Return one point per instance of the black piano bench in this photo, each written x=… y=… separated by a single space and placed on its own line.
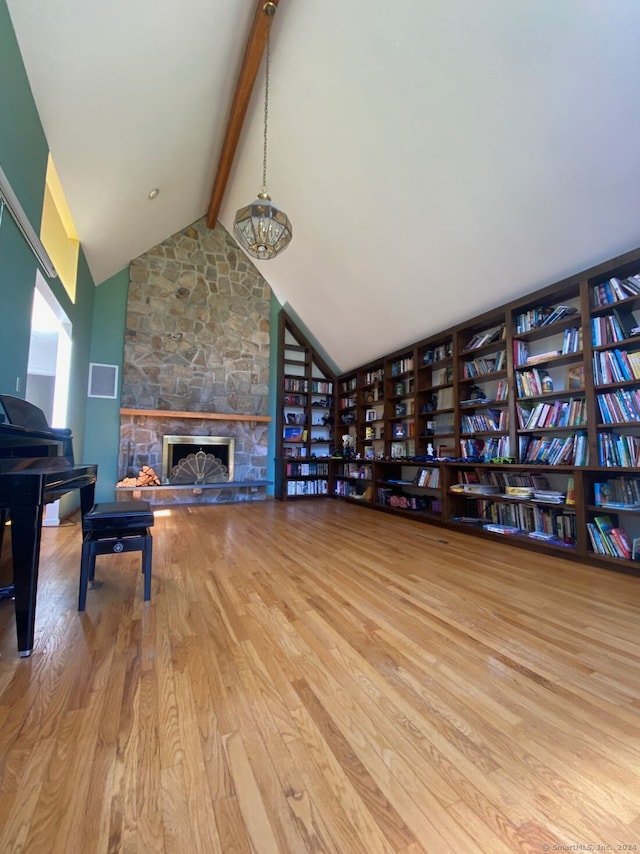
x=115 y=526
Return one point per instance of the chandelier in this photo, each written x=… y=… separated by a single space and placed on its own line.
x=261 y=228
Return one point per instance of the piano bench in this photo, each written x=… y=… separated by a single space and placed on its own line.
x=115 y=526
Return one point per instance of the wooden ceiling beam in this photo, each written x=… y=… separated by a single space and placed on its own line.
x=262 y=19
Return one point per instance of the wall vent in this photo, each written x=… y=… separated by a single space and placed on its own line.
x=103 y=380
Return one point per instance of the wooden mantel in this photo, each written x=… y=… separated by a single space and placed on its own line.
x=213 y=416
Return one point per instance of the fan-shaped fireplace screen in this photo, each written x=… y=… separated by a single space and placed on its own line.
x=197 y=459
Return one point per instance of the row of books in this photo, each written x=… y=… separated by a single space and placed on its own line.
x=618 y=492
x=549 y=525
x=615 y=366
x=307 y=487
x=351 y=489
x=620 y=407
x=607 y=539
x=613 y=327
x=560 y=413
x=295 y=384
x=569 y=450
x=295 y=400
x=428 y=478
x=618 y=450
x=531 y=319
x=616 y=289
x=439 y=353
x=485 y=449
x=358 y=471
x=488 y=365
x=321 y=387
x=372 y=377
x=534 y=318
x=307 y=469
x=572 y=343
x=529 y=383
x=402 y=366
x=481 y=422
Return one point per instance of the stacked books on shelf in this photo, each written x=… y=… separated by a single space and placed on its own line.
x=607 y=539
x=485 y=337
x=569 y=450
x=615 y=366
x=559 y=313
x=616 y=289
x=621 y=493
x=560 y=413
x=549 y=496
x=497 y=528
x=618 y=450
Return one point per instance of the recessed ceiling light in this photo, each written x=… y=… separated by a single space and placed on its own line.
x=153 y=193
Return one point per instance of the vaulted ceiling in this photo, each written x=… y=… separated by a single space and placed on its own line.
x=435 y=159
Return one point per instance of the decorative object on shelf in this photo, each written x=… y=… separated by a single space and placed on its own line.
x=261 y=228
x=348 y=451
x=546 y=382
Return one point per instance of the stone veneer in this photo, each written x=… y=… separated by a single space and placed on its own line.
x=196 y=340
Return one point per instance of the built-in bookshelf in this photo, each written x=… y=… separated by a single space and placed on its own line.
x=543 y=389
x=306 y=417
x=435 y=401
x=483 y=416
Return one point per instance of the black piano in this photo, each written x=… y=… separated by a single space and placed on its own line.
x=36 y=468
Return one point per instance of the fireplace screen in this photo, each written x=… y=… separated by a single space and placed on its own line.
x=197 y=459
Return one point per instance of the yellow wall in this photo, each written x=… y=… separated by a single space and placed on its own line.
x=58 y=232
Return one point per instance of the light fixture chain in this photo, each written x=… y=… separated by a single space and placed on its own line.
x=266 y=112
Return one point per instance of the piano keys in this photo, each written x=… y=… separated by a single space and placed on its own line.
x=36 y=467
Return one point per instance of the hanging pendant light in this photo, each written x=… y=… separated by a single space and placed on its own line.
x=261 y=228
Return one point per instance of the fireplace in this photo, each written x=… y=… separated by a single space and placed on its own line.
x=197 y=459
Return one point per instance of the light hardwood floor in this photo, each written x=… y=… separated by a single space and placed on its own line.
x=314 y=676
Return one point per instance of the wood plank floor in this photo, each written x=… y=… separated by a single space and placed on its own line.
x=314 y=676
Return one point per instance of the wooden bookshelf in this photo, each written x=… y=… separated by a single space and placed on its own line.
x=548 y=383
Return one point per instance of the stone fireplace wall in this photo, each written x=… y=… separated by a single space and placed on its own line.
x=196 y=340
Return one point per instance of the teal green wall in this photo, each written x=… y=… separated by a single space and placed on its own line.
x=23 y=157
x=276 y=308
x=103 y=415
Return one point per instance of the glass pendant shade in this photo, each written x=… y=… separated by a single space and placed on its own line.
x=261 y=229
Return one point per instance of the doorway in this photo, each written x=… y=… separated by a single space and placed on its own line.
x=48 y=368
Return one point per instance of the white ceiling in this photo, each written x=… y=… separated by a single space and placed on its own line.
x=436 y=159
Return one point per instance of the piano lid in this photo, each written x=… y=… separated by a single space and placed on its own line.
x=25 y=432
